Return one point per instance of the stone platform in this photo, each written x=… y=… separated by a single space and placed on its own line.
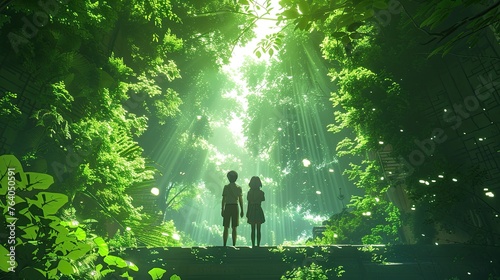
x=348 y=261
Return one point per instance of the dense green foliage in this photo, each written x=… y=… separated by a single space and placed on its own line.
x=106 y=73
x=42 y=243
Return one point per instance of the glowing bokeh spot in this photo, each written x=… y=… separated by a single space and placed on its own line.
x=306 y=162
x=176 y=236
x=155 y=191
x=318 y=192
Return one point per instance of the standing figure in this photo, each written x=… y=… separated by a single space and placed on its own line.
x=255 y=214
x=232 y=195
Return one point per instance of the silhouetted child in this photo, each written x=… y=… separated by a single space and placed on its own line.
x=231 y=196
x=255 y=214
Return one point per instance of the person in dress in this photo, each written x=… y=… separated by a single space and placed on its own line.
x=255 y=214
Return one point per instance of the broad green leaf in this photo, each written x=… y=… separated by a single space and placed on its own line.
x=291 y=13
x=107 y=271
x=338 y=35
x=12 y=164
x=132 y=266
x=38 y=181
x=116 y=261
x=156 y=273
x=65 y=267
x=51 y=202
x=175 y=277
x=4 y=259
x=52 y=274
x=103 y=247
x=30 y=232
x=126 y=275
x=81 y=251
x=354 y=26
x=80 y=234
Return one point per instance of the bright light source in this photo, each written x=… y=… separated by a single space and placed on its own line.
x=176 y=236
x=490 y=194
x=330 y=170
x=367 y=213
x=198 y=117
x=377 y=199
x=335 y=235
x=74 y=223
x=421 y=181
x=454 y=180
x=381 y=142
x=318 y=192
x=440 y=176
x=306 y=162
x=128 y=229
x=155 y=191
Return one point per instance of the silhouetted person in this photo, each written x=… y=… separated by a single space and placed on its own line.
x=232 y=195
x=255 y=214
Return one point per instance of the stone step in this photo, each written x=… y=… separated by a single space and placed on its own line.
x=349 y=261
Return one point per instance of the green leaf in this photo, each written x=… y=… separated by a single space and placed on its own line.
x=304 y=7
x=132 y=266
x=258 y=54
x=65 y=267
x=107 y=271
x=51 y=202
x=30 y=232
x=10 y=162
x=175 y=277
x=338 y=35
x=271 y=52
x=126 y=275
x=4 y=259
x=103 y=247
x=156 y=273
x=80 y=234
x=291 y=13
x=82 y=250
x=116 y=261
x=38 y=181
x=354 y=26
